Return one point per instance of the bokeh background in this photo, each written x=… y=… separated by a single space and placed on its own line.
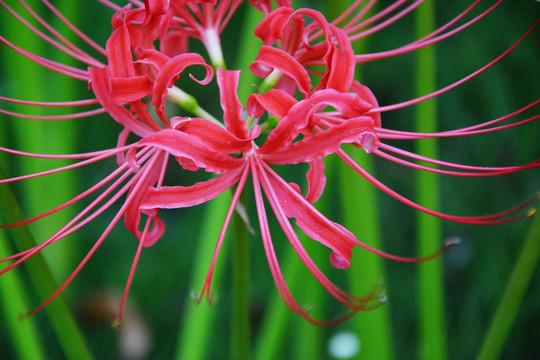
x=162 y=321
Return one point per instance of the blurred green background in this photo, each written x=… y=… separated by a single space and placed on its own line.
x=162 y=317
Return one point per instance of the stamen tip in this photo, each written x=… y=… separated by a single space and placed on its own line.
x=531 y=212
x=451 y=242
x=194 y=295
x=307 y=308
x=116 y=323
x=212 y=300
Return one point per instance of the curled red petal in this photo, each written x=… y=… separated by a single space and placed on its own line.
x=102 y=87
x=170 y=72
x=173 y=197
x=340 y=63
x=118 y=49
x=132 y=215
x=366 y=94
x=182 y=145
x=270 y=58
x=271 y=27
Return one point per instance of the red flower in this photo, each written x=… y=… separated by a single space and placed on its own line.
x=146 y=53
x=281 y=147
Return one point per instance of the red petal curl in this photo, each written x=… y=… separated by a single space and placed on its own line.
x=132 y=215
x=270 y=58
x=366 y=94
x=100 y=81
x=271 y=27
x=127 y=89
x=340 y=63
x=118 y=49
x=170 y=72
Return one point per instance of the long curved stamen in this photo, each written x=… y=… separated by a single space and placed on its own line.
x=55 y=117
x=457 y=83
x=486 y=219
x=75 y=52
x=118 y=320
x=481 y=170
x=425 y=41
x=51 y=104
x=273 y=263
x=208 y=281
x=75 y=30
x=68 y=167
x=130 y=197
x=441 y=251
x=383 y=24
x=71 y=201
x=49 y=64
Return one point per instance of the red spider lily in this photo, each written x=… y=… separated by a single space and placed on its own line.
x=286 y=201
x=138 y=75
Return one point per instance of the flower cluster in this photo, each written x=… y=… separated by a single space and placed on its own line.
x=307 y=106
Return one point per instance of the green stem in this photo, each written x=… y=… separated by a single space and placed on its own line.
x=198 y=322
x=240 y=329
x=310 y=339
x=14 y=302
x=188 y=103
x=273 y=334
x=513 y=295
x=373 y=327
x=431 y=294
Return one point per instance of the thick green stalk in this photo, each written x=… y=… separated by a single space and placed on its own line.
x=198 y=323
x=14 y=302
x=431 y=294
x=273 y=334
x=240 y=329
x=513 y=295
x=309 y=339
x=361 y=216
